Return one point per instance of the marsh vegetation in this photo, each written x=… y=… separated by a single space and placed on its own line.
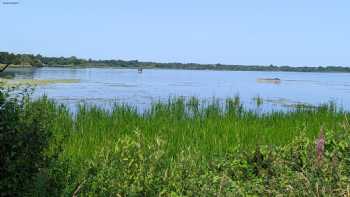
x=33 y=82
x=183 y=147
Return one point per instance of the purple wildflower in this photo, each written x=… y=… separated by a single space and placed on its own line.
x=320 y=142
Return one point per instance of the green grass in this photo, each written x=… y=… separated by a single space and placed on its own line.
x=183 y=147
x=213 y=129
x=197 y=137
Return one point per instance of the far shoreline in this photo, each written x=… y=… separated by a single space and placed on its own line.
x=165 y=68
x=30 y=60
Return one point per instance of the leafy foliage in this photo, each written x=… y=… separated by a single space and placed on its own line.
x=22 y=141
x=20 y=59
x=25 y=136
x=137 y=168
x=45 y=151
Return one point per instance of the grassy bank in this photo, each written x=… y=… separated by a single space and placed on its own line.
x=213 y=129
x=185 y=148
x=33 y=82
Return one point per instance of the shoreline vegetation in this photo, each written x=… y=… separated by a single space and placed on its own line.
x=176 y=148
x=34 y=82
x=39 y=61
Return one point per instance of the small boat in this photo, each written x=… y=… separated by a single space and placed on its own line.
x=269 y=80
x=139 y=70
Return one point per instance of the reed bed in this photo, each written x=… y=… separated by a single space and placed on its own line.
x=212 y=128
x=182 y=147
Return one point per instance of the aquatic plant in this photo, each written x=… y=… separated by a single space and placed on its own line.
x=33 y=82
x=258 y=100
x=182 y=147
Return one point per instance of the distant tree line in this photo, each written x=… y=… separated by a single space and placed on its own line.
x=20 y=59
x=38 y=60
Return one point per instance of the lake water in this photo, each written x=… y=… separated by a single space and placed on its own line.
x=104 y=86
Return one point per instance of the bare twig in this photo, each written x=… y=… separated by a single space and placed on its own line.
x=78 y=189
x=7 y=65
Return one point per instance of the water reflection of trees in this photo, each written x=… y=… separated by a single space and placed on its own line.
x=20 y=73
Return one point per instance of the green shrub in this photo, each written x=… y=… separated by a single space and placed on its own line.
x=136 y=167
x=132 y=168
x=25 y=138
x=21 y=143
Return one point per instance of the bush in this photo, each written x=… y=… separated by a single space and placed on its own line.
x=132 y=168
x=24 y=141
x=136 y=167
x=21 y=145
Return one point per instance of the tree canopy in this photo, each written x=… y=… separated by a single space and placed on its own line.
x=39 y=60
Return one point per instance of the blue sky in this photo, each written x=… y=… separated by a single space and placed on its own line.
x=293 y=32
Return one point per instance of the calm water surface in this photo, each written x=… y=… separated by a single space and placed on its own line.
x=104 y=86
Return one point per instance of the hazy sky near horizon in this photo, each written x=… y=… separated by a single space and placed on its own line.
x=293 y=32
